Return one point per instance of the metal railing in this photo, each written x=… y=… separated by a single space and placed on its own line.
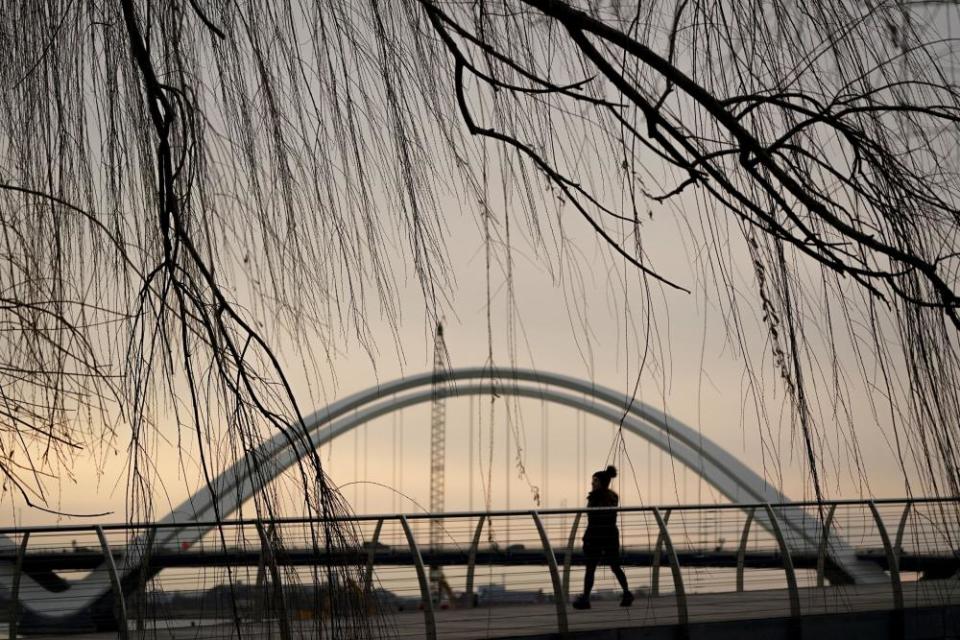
x=504 y=571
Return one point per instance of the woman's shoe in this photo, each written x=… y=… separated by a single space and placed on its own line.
x=627 y=599
x=581 y=602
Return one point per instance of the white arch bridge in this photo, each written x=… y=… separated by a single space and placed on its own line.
x=194 y=517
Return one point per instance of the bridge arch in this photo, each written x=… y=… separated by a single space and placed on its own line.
x=241 y=481
x=721 y=469
x=725 y=472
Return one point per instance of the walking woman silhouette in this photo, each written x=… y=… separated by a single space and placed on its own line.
x=601 y=540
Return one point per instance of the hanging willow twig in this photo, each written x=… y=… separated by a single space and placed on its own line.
x=186 y=186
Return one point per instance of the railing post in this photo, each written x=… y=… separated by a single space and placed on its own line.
x=568 y=556
x=657 y=551
x=143 y=568
x=270 y=558
x=15 y=587
x=121 y=605
x=898 y=546
x=681 y=595
x=824 y=543
x=472 y=562
x=430 y=622
x=742 y=549
x=558 y=593
x=787 y=566
x=892 y=562
x=261 y=604
x=371 y=556
x=898 y=628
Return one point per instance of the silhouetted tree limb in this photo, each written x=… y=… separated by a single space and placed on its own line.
x=156 y=158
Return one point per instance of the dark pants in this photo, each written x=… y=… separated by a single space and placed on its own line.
x=602 y=552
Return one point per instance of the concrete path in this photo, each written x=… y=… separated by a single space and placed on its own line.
x=536 y=619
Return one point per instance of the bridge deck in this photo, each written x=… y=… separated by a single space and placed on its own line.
x=535 y=619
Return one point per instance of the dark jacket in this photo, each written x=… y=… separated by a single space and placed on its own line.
x=602 y=525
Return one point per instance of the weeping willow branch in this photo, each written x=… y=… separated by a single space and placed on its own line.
x=187 y=188
x=777 y=155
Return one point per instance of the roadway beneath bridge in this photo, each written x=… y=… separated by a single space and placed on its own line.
x=932 y=609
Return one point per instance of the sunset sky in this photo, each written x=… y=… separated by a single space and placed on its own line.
x=573 y=322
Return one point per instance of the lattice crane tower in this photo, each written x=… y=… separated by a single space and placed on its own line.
x=438 y=444
x=438 y=435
